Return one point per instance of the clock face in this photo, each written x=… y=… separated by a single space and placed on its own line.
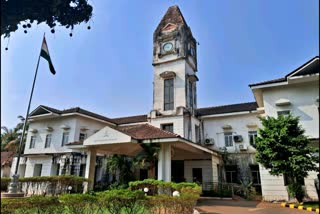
x=167 y=46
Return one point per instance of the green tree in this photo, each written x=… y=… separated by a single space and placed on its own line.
x=10 y=138
x=67 y=13
x=147 y=158
x=282 y=148
x=123 y=164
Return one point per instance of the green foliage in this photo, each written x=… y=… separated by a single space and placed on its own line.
x=58 y=184
x=34 y=204
x=282 y=147
x=4 y=183
x=219 y=190
x=166 y=187
x=52 y=12
x=247 y=189
x=172 y=205
x=79 y=203
x=124 y=201
x=296 y=190
x=10 y=138
x=123 y=164
x=147 y=158
x=127 y=201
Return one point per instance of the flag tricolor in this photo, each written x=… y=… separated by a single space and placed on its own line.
x=45 y=54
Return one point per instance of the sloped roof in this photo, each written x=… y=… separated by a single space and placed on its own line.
x=131 y=119
x=145 y=131
x=312 y=68
x=250 y=106
x=38 y=111
x=6 y=158
x=173 y=16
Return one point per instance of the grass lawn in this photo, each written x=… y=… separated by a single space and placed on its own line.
x=313 y=204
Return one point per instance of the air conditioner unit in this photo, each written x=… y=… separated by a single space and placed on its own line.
x=242 y=147
x=209 y=141
x=237 y=138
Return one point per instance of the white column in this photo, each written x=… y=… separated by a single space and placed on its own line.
x=214 y=162
x=90 y=169
x=164 y=162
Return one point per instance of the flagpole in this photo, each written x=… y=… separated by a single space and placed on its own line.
x=13 y=187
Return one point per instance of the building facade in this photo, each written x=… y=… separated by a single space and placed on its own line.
x=191 y=139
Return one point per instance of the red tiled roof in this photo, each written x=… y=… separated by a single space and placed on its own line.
x=174 y=16
x=6 y=158
x=131 y=119
x=145 y=131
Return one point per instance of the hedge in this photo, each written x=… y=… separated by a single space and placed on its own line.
x=156 y=187
x=47 y=184
x=124 y=201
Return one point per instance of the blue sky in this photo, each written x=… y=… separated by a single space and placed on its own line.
x=108 y=69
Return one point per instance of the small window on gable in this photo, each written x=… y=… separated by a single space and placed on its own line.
x=82 y=136
x=285 y=112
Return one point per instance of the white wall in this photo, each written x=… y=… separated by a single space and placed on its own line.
x=303 y=104
x=46 y=162
x=176 y=120
x=205 y=165
x=213 y=129
x=74 y=122
x=179 y=67
x=272 y=186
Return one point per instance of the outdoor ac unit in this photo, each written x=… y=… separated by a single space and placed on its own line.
x=237 y=138
x=242 y=148
x=209 y=141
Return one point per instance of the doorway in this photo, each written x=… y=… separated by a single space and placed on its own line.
x=177 y=171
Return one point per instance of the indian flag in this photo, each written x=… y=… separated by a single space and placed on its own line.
x=45 y=54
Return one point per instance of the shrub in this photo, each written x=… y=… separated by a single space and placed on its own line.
x=4 y=183
x=79 y=203
x=172 y=205
x=156 y=186
x=48 y=184
x=34 y=204
x=122 y=200
x=296 y=190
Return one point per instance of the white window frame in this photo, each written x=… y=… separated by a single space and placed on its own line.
x=228 y=135
x=47 y=143
x=32 y=142
x=64 y=138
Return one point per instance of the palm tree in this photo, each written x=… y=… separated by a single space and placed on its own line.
x=10 y=138
x=121 y=163
x=147 y=158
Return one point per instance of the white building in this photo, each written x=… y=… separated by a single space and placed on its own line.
x=191 y=138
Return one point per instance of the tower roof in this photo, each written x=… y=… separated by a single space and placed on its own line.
x=173 y=16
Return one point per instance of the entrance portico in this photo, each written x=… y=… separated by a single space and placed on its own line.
x=127 y=140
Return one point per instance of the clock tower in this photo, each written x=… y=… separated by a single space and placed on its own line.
x=175 y=79
x=175 y=64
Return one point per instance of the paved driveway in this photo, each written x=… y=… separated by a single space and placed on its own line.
x=208 y=206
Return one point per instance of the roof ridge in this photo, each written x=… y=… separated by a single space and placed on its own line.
x=129 y=116
x=228 y=105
